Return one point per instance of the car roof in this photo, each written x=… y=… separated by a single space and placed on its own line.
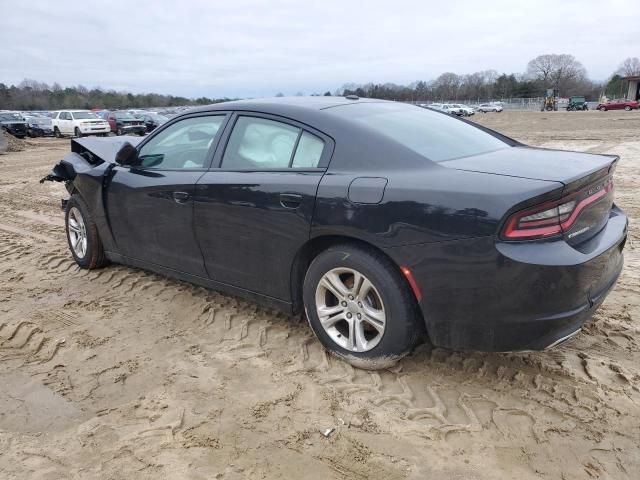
x=275 y=104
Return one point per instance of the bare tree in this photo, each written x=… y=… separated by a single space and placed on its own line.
x=557 y=71
x=630 y=67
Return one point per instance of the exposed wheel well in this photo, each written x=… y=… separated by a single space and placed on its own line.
x=315 y=246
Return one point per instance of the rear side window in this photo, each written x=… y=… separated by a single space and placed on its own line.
x=260 y=143
x=309 y=151
x=435 y=136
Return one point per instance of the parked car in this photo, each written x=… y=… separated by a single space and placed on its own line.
x=437 y=106
x=123 y=123
x=152 y=120
x=459 y=109
x=13 y=123
x=477 y=239
x=78 y=123
x=489 y=107
x=622 y=104
x=39 y=126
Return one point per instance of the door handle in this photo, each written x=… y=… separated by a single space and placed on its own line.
x=290 y=200
x=180 y=197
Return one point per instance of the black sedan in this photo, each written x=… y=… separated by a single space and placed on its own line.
x=39 y=126
x=152 y=120
x=381 y=221
x=14 y=124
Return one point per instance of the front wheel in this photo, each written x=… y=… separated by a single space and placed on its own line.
x=56 y=132
x=360 y=307
x=78 y=133
x=82 y=235
x=603 y=109
x=119 y=132
x=627 y=108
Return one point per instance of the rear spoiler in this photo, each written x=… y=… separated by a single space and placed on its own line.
x=592 y=177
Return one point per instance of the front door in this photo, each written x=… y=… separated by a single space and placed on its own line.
x=254 y=212
x=65 y=123
x=150 y=206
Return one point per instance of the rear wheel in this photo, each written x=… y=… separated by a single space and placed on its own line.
x=119 y=131
x=627 y=108
x=603 y=109
x=56 y=132
x=78 y=133
x=82 y=235
x=360 y=307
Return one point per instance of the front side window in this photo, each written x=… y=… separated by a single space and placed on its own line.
x=259 y=143
x=183 y=145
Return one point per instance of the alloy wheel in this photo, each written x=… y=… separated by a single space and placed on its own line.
x=350 y=309
x=77 y=232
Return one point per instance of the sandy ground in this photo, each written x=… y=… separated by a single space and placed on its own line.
x=120 y=374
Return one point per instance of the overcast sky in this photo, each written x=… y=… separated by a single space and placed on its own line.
x=241 y=48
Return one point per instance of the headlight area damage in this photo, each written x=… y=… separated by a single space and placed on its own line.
x=87 y=170
x=90 y=160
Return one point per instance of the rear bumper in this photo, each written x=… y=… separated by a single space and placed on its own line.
x=479 y=294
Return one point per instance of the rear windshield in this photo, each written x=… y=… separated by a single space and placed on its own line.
x=433 y=135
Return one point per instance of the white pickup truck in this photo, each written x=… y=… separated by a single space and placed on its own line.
x=79 y=123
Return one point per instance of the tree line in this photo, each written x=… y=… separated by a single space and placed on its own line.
x=34 y=95
x=559 y=71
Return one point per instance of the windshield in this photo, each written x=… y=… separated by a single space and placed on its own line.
x=124 y=116
x=39 y=120
x=84 y=115
x=157 y=117
x=10 y=116
x=436 y=136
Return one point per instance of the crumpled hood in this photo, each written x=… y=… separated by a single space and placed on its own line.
x=104 y=148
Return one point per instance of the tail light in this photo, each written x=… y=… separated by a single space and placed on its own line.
x=555 y=217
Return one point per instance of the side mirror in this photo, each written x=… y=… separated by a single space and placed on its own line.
x=127 y=155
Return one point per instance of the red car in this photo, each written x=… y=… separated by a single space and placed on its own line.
x=618 y=105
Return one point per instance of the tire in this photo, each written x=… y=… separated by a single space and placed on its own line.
x=56 y=132
x=119 y=132
x=386 y=300
x=78 y=133
x=80 y=226
x=627 y=108
x=603 y=109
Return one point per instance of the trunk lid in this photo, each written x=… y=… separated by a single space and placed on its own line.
x=587 y=180
x=535 y=163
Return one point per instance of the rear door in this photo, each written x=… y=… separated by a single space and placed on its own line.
x=150 y=207
x=253 y=211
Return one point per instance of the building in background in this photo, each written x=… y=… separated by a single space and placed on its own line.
x=633 y=87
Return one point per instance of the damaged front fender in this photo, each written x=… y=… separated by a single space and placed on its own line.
x=86 y=173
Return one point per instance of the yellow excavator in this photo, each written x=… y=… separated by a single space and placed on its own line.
x=550 y=102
